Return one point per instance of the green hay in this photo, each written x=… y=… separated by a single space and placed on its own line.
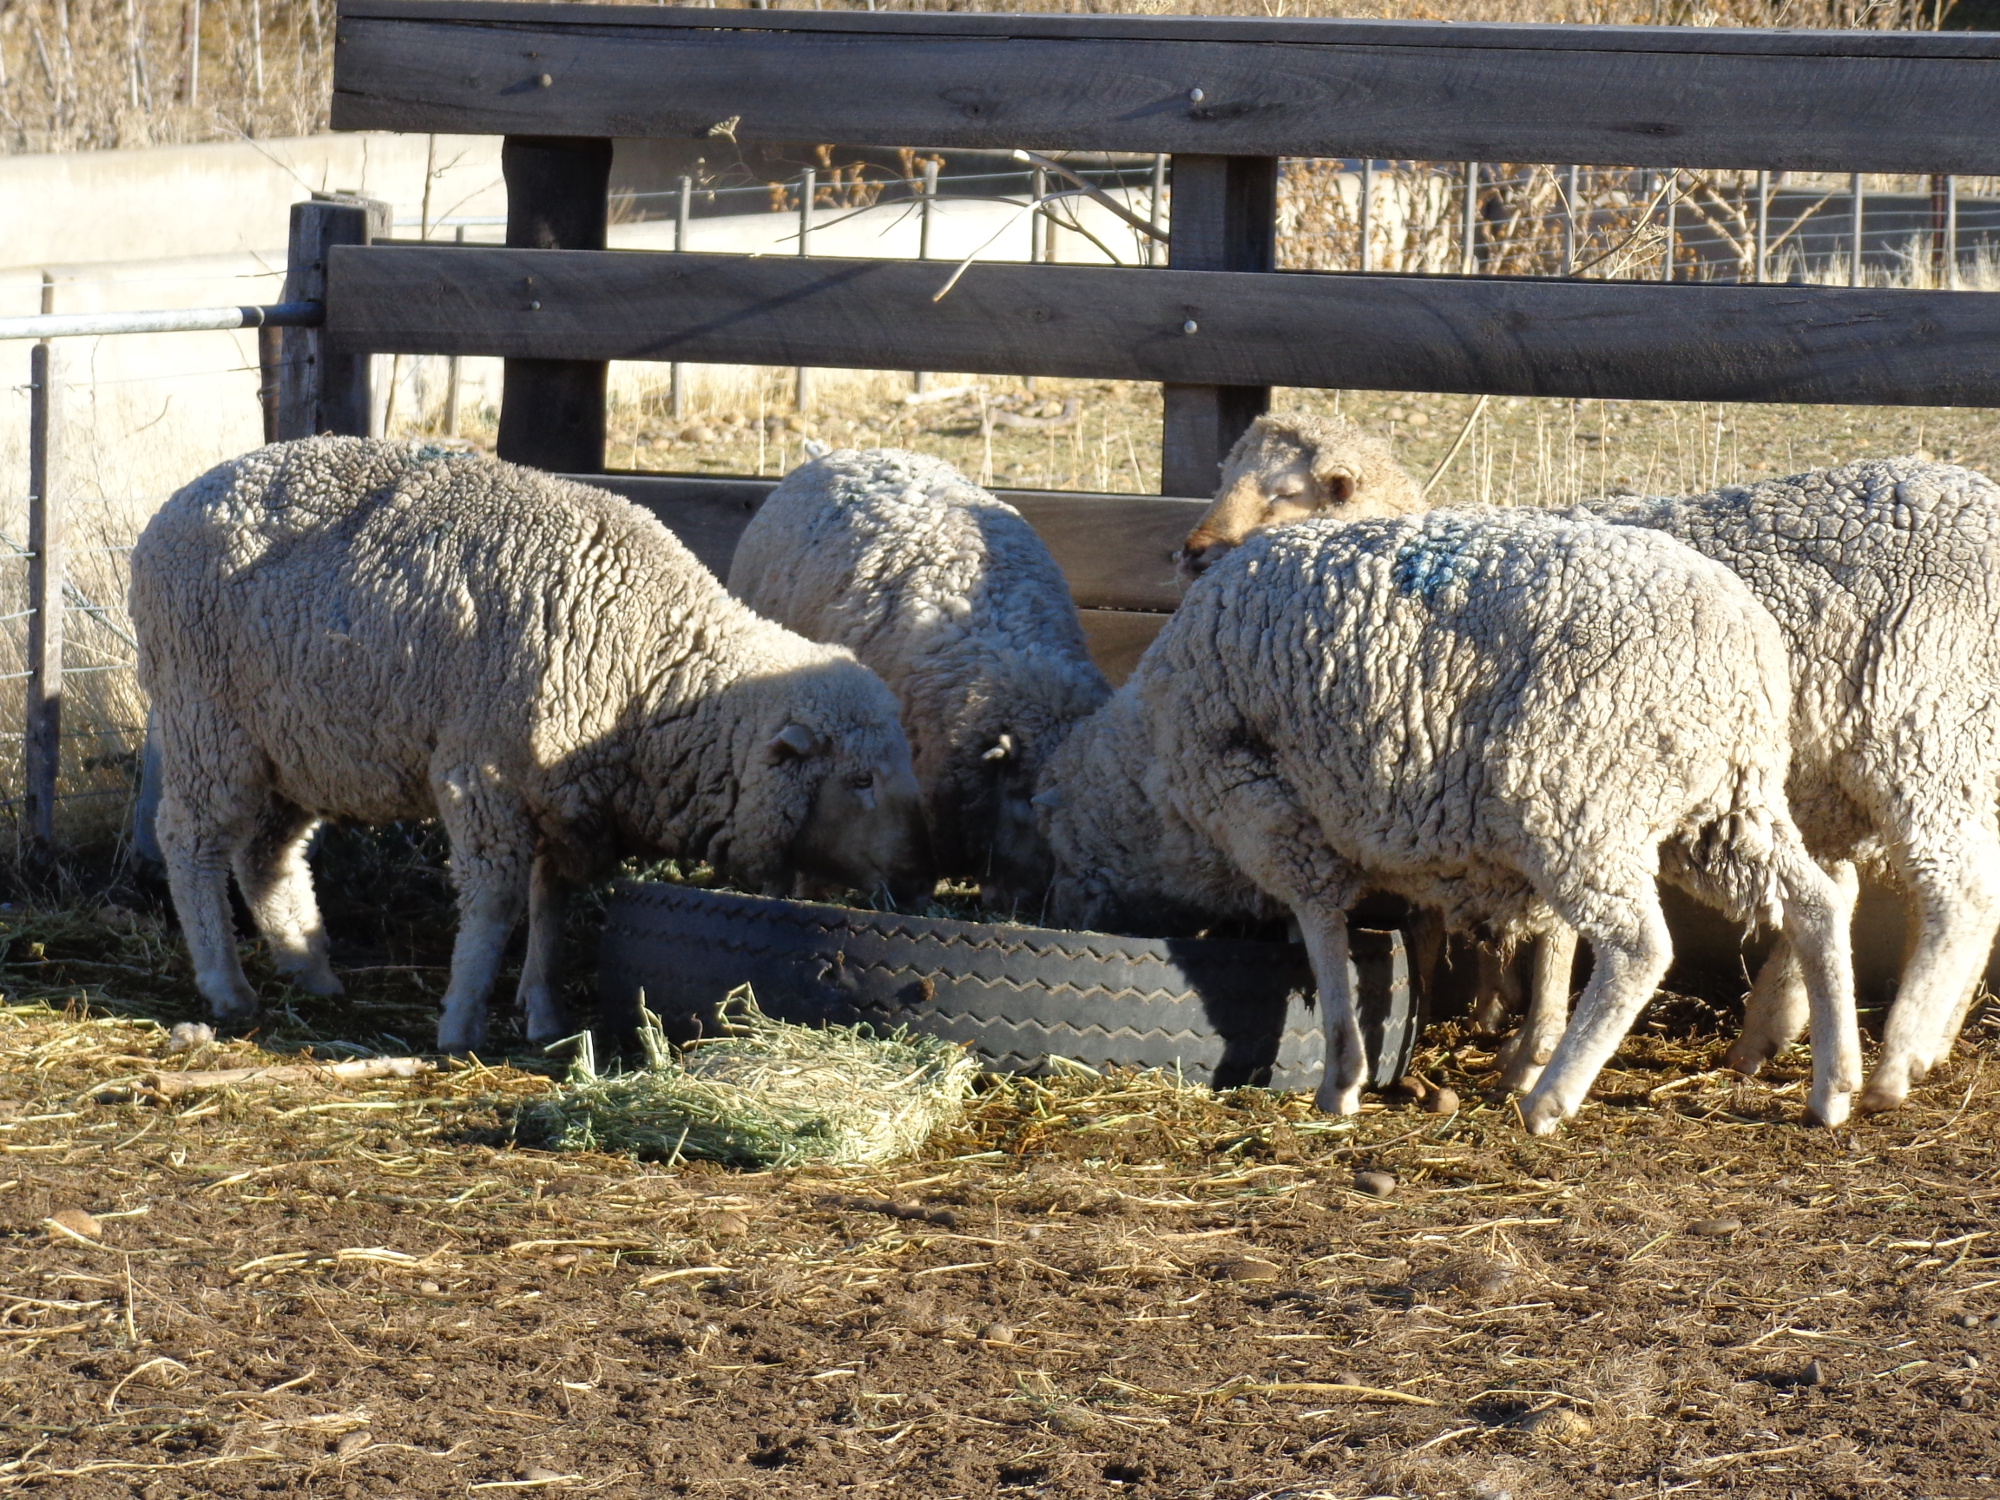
x=765 y=1094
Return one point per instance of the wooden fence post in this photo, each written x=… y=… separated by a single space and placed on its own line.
x=1225 y=218
x=42 y=722
x=552 y=410
x=319 y=391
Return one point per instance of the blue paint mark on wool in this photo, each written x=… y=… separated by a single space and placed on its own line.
x=1438 y=555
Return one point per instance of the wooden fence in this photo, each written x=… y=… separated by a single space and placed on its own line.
x=1219 y=326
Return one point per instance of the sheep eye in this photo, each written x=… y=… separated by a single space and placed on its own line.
x=861 y=781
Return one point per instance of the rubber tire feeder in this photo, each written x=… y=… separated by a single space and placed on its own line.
x=1228 y=1013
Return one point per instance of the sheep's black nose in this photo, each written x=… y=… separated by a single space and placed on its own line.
x=1191 y=562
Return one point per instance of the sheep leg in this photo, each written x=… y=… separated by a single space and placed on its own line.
x=492 y=859
x=1958 y=906
x=541 y=967
x=1776 y=1013
x=197 y=856
x=1324 y=929
x=1818 y=911
x=1279 y=847
x=277 y=886
x=1497 y=994
x=1628 y=935
x=1527 y=1052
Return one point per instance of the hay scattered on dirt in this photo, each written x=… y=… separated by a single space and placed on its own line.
x=766 y=1094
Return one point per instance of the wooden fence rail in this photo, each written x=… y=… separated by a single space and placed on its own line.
x=1628 y=96
x=1677 y=341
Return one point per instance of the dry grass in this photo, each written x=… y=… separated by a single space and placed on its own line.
x=1091 y=1286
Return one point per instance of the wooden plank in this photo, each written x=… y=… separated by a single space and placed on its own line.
x=1115 y=550
x=1225 y=218
x=1674 y=341
x=1647 y=97
x=320 y=390
x=1482 y=35
x=1118 y=639
x=552 y=410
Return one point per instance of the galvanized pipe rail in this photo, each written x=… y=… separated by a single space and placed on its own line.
x=166 y=320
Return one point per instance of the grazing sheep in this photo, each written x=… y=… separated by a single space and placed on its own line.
x=953 y=599
x=1514 y=718
x=354 y=629
x=1885 y=579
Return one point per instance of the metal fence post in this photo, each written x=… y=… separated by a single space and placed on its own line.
x=1157 y=215
x=1571 y=177
x=42 y=721
x=451 y=372
x=677 y=372
x=928 y=194
x=808 y=186
x=1854 y=234
x=318 y=391
x=1673 y=202
x=1366 y=214
x=1468 y=245
x=1763 y=270
x=1951 y=232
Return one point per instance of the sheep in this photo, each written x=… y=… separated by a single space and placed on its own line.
x=1515 y=718
x=346 y=628
x=1884 y=576
x=1286 y=468
x=952 y=598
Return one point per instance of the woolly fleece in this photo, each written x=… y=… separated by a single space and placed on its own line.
x=1512 y=717
x=953 y=599
x=339 y=627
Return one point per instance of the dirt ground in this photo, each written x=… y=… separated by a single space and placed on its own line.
x=1093 y=1287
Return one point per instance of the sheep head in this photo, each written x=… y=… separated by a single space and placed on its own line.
x=1289 y=466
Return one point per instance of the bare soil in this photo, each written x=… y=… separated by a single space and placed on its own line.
x=1092 y=1287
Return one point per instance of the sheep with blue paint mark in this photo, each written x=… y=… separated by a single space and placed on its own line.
x=1518 y=719
x=1884 y=577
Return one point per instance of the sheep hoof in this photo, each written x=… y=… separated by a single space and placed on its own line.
x=1335 y=1100
x=232 y=1002
x=1520 y=1069
x=1746 y=1057
x=1541 y=1116
x=459 y=1035
x=544 y=1029
x=1830 y=1111
x=1878 y=1098
x=318 y=980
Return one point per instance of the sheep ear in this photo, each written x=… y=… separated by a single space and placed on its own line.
x=1003 y=749
x=794 y=741
x=1052 y=798
x=814 y=448
x=1340 y=488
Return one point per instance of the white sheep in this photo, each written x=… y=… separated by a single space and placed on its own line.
x=1516 y=719
x=1885 y=579
x=347 y=628
x=951 y=597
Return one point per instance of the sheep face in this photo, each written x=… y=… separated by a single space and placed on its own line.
x=1287 y=468
x=866 y=828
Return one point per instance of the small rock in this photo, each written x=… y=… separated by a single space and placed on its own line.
x=536 y=1474
x=1813 y=1374
x=1968 y=1320
x=1420 y=419
x=1375 y=1184
x=1412 y=1088
x=429 y=1288
x=1481 y=1276
x=1393 y=414
x=1718 y=1228
x=794 y=422
x=1246 y=1268
x=698 y=432
x=76 y=1221
x=1441 y=1102
x=996 y=1333
x=726 y=1225
x=1559 y=1424
x=352 y=1443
